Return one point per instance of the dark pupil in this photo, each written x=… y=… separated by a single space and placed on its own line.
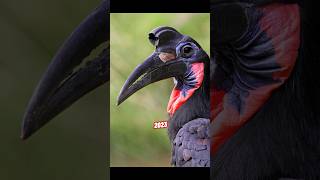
x=187 y=50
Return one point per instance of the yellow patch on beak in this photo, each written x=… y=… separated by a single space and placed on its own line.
x=166 y=56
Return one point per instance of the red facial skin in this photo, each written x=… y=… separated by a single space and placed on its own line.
x=180 y=96
x=281 y=23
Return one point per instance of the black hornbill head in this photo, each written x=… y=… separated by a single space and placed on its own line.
x=66 y=80
x=176 y=55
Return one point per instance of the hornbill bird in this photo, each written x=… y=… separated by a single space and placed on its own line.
x=68 y=76
x=181 y=57
x=264 y=90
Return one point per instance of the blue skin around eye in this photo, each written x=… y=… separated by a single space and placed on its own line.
x=178 y=49
x=189 y=81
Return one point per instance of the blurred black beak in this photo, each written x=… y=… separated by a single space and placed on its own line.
x=62 y=85
x=151 y=70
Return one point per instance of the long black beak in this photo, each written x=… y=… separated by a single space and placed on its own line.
x=61 y=85
x=151 y=70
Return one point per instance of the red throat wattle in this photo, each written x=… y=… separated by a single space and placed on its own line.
x=180 y=95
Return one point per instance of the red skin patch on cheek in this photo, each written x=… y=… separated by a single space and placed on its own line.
x=281 y=23
x=177 y=99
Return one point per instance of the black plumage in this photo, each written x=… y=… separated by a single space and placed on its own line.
x=191 y=145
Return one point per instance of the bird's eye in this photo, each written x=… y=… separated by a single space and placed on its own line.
x=187 y=51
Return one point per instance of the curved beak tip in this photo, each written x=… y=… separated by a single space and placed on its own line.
x=29 y=126
x=119 y=100
x=25 y=131
x=24 y=135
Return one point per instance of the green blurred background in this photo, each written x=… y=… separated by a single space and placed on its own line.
x=74 y=145
x=133 y=141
